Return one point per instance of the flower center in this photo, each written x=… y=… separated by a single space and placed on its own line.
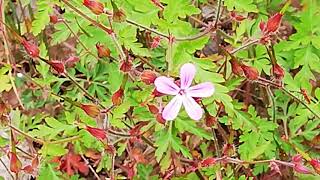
x=182 y=92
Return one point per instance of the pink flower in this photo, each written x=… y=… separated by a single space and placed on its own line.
x=183 y=94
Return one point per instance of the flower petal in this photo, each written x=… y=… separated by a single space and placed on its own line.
x=192 y=108
x=166 y=86
x=187 y=73
x=201 y=90
x=170 y=112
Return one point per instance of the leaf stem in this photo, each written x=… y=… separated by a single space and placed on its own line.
x=26 y=135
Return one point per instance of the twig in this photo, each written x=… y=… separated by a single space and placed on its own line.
x=218 y=13
x=5 y=166
x=26 y=135
x=69 y=139
x=90 y=167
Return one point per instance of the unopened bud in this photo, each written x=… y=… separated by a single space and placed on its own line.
x=58 y=66
x=95 y=6
x=126 y=66
x=53 y=19
x=278 y=71
x=160 y=119
x=148 y=77
x=236 y=67
x=15 y=163
x=237 y=17
x=97 y=132
x=102 y=51
x=91 y=110
x=117 y=97
x=250 y=72
x=31 y=49
x=119 y=15
x=273 y=23
x=153 y=109
x=316 y=165
x=155 y=42
x=210 y=120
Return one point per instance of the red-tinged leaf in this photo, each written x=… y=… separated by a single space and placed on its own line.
x=53 y=19
x=117 y=97
x=262 y=26
x=110 y=149
x=95 y=6
x=273 y=23
x=31 y=49
x=15 y=163
x=208 y=162
x=274 y=167
x=93 y=154
x=58 y=66
x=97 y=132
x=119 y=15
x=91 y=110
x=72 y=163
x=136 y=129
x=28 y=169
x=148 y=77
x=102 y=51
x=237 y=17
x=210 y=120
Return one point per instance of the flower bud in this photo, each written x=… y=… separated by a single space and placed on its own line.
x=262 y=26
x=31 y=49
x=273 y=23
x=160 y=119
x=58 y=66
x=71 y=61
x=15 y=163
x=278 y=71
x=148 y=77
x=236 y=67
x=119 y=15
x=117 y=97
x=250 y=72
x=316 y=165
x=237 y=17
x=156 y=93
x=53 y=19
x=210 y=120
x=102 y=51
x=95 y=6
x=126 y=66
x=91 y=110
x=97 y=132
x=153 y=109
x=155 y=42
x=208 y=162
x=299 y=168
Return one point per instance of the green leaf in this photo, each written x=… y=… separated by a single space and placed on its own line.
x=241 y=5
x=178 y=8
x=187 y=125
x=5 y=83
x=41 y=16
x=48 y=172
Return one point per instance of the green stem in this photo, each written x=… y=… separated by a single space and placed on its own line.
x=69 y=139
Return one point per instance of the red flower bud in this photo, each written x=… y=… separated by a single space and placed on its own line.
x=95 y=6
x=273 y=23
x=117 y=97
x=119 y=15
x=153 y=109
x=297 y=158
x=316 y=165
x=148 y=77
x=91 y=110
x=160 y=119
x=31 y=49
x=236 y=67
x=156 y=93
x=210 y=120
x=262 y=26
x=278 y=71
x=71 y=61
x=15 y=163
x=126 y=66
x=102 y=51
x=208 y=162
x=250 y=72
x=237 y=17
x=299 y=168
x=97 y=132
x=158 y=4
x=155 y=42
x=53 y=19
x=58 y=66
